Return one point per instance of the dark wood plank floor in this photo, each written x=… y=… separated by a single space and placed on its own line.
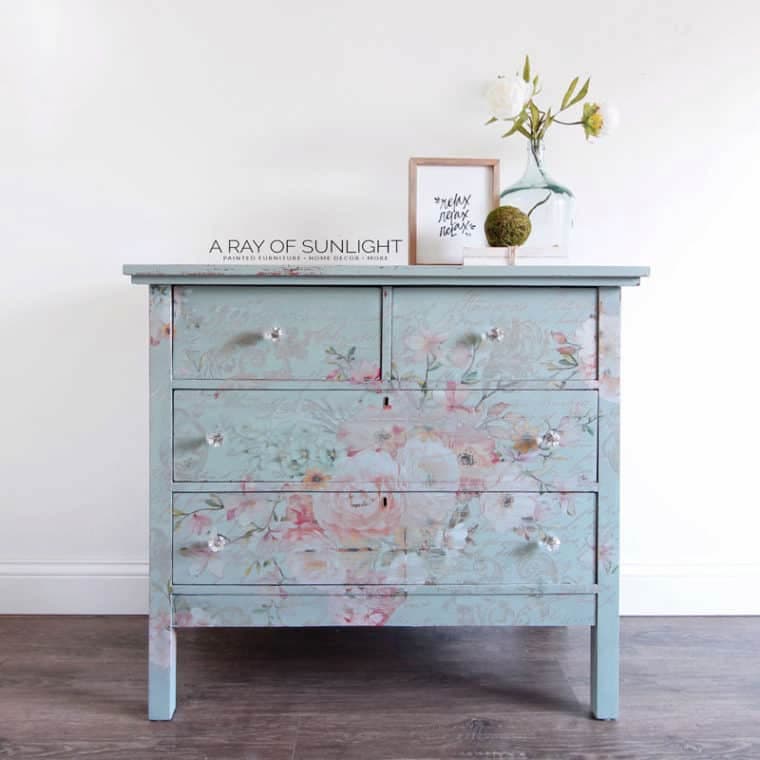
x=76 y=687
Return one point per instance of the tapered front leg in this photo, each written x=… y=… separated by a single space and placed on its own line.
x=605 y=666
x=162 y=670
x=605 y=635
x=161 y=646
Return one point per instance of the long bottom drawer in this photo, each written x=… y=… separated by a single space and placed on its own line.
x=384 y=538
x=381 y=606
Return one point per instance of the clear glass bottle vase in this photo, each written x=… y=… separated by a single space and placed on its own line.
x=551 y=207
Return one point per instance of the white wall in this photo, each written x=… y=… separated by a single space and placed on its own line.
x=138 y=132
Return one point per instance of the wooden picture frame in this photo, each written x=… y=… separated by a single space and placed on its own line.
x=435 y=182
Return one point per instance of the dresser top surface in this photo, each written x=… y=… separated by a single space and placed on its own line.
x=392 y=275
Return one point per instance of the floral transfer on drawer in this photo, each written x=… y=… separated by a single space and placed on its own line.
x=458 y=439
x=490 y=336
x=329 y=537
x=360 y=606
x=277 y=333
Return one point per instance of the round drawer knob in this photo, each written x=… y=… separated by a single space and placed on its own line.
x=550 y=543
x=275 y=334
x=215 y=440
x=217 y=543
x=550 y=439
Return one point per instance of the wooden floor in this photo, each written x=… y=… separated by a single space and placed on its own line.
x=76 y=687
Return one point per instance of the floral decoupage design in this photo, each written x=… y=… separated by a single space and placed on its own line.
x=489 y=337
x=458 y=439
x=363 y=606
x=349 y=538
x=274 y=334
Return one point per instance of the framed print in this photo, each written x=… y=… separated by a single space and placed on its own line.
x=449 y=199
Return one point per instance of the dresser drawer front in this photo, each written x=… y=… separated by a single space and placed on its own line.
x=396 y=538
x=487 y=336
x=351 y=440
x=277 y=333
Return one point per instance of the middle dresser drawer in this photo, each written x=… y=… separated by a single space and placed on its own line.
x=360 y=440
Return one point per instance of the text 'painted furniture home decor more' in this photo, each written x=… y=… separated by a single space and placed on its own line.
x=405 y=446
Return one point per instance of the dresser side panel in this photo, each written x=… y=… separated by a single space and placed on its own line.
x=162 y=644
x=605 y=635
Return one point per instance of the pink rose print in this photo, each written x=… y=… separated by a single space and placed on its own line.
x=366 y=511
x=301 y=525
x=373 y=610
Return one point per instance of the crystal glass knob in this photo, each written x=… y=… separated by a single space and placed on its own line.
x=495 y=333
x=217 y=543
x=275 y=334
x=549 y=542
x=215 y=440
x=549 y=440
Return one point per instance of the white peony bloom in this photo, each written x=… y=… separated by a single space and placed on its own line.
x=507 y=96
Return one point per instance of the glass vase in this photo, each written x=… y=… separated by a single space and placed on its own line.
x=550 y=206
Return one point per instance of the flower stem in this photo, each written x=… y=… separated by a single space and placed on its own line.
x=540 y=203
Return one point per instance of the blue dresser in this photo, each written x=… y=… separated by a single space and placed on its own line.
x=405 y=446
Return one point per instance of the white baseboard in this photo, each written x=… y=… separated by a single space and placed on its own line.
x=705 y=589
x=73 y=588
x=121 y=588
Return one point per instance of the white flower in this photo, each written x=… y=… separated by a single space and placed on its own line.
x=506 y=97
x=610 y=118
x=600 y=119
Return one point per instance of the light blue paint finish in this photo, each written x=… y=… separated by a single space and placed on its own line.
x=440 y=539
x=605 y=635
x=417 y=441
x=199 y=274
x=281 y=334
x=162 y=642
x=388 y=606
x=425 y=450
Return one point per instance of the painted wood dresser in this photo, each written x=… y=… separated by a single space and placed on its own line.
x=406 y=446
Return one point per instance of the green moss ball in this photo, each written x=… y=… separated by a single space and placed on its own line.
x=507 y=226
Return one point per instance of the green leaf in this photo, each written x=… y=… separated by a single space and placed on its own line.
x=470 y=378
x=535 y=116
x=516 y=126
x=569 y=93
x=526 y=69
x=548 y=119
x=524 y=132
x=581 y=93
x=491 y=121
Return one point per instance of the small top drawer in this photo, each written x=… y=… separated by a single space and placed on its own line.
x=485 y=336
x=277 y=333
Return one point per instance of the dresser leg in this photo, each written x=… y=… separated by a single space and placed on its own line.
x=605 y=667
x=162 y=674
